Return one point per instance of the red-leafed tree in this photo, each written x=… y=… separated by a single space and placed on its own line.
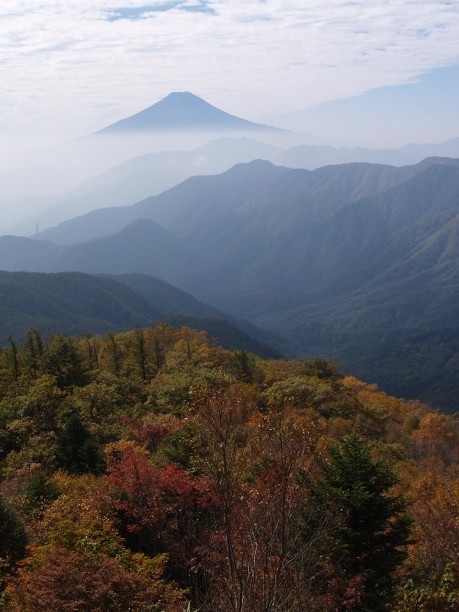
x=56 y=580
x=159 y=508
x=256 y=559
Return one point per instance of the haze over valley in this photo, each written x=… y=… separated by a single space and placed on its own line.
x=352 y=261
x=349 y=253
x=155 y=149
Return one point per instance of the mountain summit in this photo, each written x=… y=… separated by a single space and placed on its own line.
x=182 y=111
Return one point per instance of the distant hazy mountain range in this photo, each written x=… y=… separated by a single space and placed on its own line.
x=358 y=261
x=324 y=190
x=147 y=175
x=180 y=122
x=179 y=116
x=73 y=303
x=154 y=173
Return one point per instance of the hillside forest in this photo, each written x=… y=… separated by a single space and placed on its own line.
x=155 y=470
x=356 y=262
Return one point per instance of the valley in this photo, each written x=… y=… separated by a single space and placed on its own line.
x=351 y=261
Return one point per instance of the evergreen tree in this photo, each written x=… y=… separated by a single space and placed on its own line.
x=65 y=363
x=140 y=352
x=325 y=369
x=13 y=537
x=158 y=354
x=14 y=357
x=92 y=356
x=40 y=489
x=77 y=451
x=371 y=537
x=242 y=365
x=34 y=351
x=114 y=354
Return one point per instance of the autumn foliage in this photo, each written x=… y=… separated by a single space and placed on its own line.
x=153 y=470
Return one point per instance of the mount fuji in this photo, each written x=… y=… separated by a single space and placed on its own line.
x=183 y=111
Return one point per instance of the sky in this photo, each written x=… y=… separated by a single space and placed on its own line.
x=425 y=110
x=70 y=67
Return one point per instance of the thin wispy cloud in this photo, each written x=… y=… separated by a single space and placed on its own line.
x=90 y=62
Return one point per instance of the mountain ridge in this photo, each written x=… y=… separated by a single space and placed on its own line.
x=114 y=218
x=77 y=303
x=347 y=261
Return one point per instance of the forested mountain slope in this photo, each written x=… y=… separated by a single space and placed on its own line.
x=75 y=303
x=342 y=261
x=155 y=470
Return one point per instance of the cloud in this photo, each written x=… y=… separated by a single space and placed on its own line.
x=91 y=62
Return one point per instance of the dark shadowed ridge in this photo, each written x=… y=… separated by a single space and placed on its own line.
x=173 y=300
x=73 y=303
x=182 y=111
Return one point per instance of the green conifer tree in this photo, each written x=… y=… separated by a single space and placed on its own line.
x=77 y=451
x=13 y=540
x=66 y=364
x=371 y=537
